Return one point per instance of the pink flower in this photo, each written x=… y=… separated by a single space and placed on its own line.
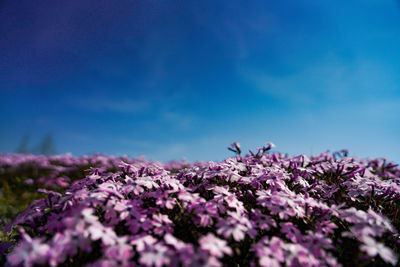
x=147 y=182
x=221 y=190
x=235 y=147
x=29 y=252
x=236 y=225
x=107 y=234
x=373 y=248
x=121 y=251
x=214 y=245
x=291 y=231
x=156 y=255
x=204 y=220
x=230 y=227
x=203 y=259
x=164 y=201
x=161 y=224
x=171 y=240
x=263 y=222
x=268 y=261
x=297 y=255
x=270 y=252
x=184 y=251
x=143 y=241
x=139 y=221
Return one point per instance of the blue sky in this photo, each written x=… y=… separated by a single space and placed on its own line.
x=184 y=79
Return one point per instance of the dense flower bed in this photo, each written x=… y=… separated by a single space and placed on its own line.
x=22 y=175
x=60 y=170
x=261 y=209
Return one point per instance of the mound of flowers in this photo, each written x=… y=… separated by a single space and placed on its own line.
x=261 y=209
x=23 y=174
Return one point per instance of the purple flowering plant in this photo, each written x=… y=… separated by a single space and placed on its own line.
x=259 y=209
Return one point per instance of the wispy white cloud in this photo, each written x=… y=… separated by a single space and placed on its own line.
x=173 y=151
x=178 y=119
x=163 y=109
x=135 y=143
x=232 y=32
x=329 y=79
x=124 y=106
x=119 y=105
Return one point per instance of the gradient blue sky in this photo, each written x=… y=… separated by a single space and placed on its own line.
x=174 y=79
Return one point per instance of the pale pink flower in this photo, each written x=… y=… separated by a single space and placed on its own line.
x=373 y=248
x=156 y=255
x=214 y=245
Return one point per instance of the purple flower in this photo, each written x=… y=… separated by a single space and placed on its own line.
x=221 y=190
x=263 y=222
x=214 y=245
x=373 y=248
x=236 y=226
x=298 y=255
x=156 y=255
x=62 y=245
x=29 y=252
x=29 y=181
x=147 y=182
x=203 y=220
x=106 y=234
x=164 y=201
x=185 y=251
x=143 y=242
x=120 y=251
x=137 y=222
x=203 y=259
x=171 y=240
x=270 y=252
x=49 y=192
x=194 y=214
x=291 y=232
x=235 y=147
x=162 y=224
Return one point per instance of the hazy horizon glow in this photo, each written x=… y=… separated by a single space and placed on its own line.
x=184 y=79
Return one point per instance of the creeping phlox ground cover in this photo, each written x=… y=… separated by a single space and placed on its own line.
x=259 y=209
x=22 y=175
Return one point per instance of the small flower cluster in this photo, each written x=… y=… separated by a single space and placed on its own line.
x=260 y=209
